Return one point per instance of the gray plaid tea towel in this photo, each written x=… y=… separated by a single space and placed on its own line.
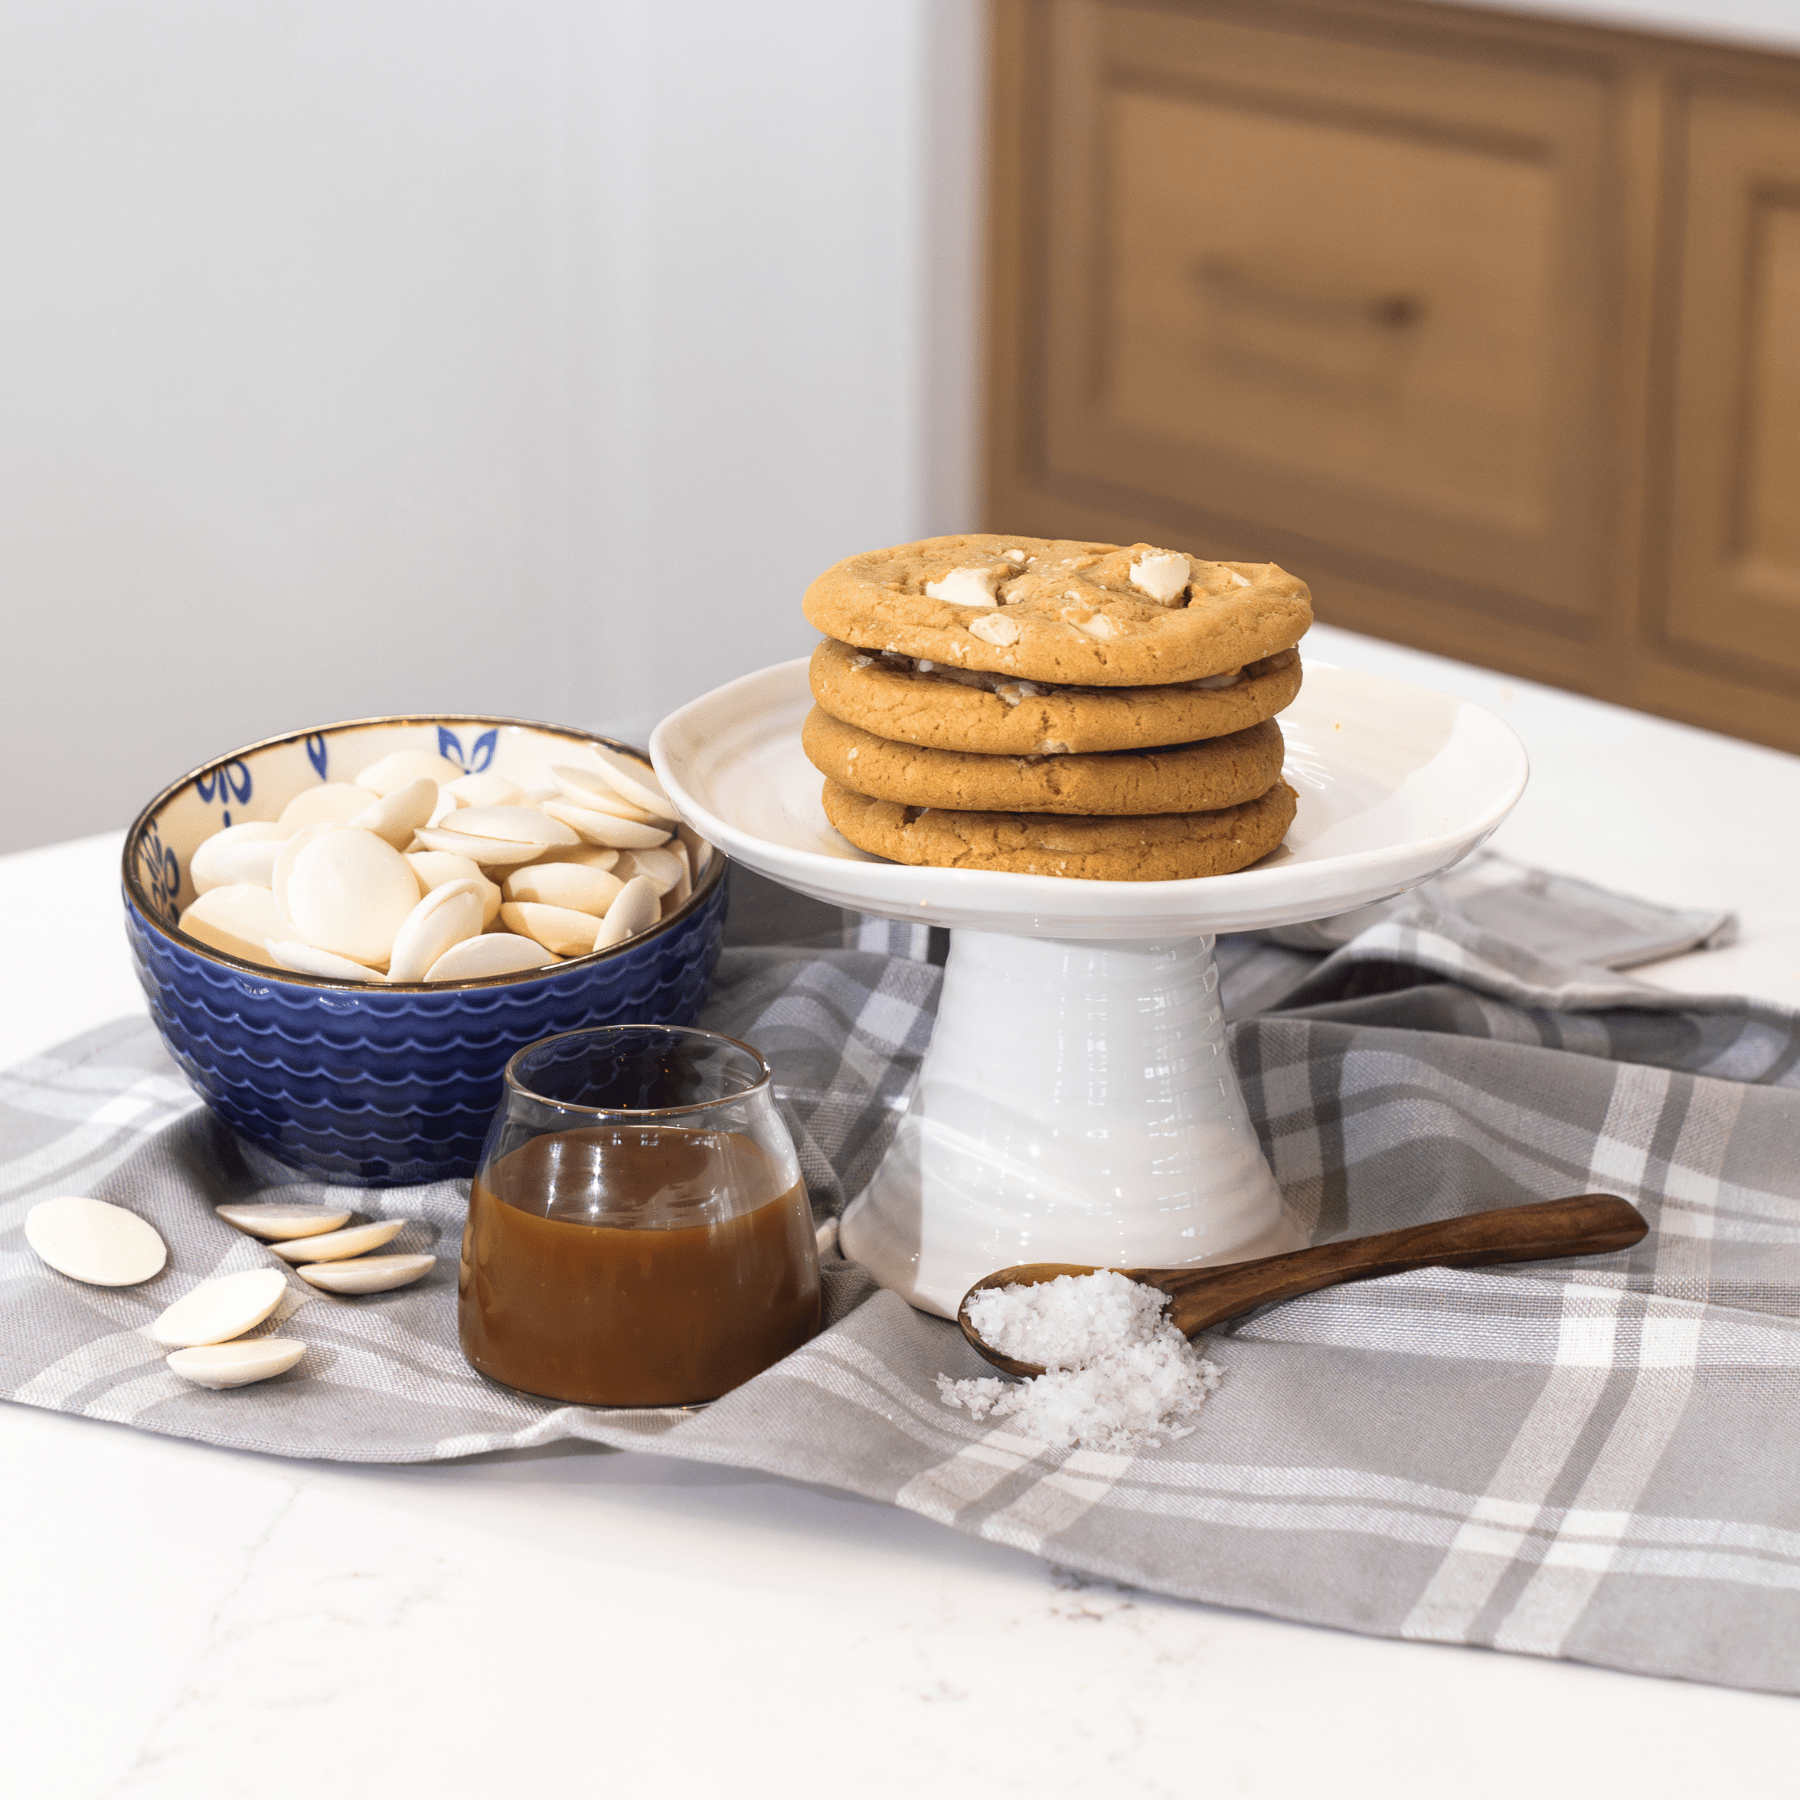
x=1594 y=1459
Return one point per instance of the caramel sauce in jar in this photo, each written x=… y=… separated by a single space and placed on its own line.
x=635 y=1265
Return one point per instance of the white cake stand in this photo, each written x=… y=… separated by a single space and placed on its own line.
x=1077 y=1103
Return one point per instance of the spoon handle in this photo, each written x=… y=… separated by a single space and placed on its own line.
x=1583 y=1225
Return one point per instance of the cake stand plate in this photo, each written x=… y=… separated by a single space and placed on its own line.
x=1077 y=1103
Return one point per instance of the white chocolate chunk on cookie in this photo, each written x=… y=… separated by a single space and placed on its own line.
x=1161 y=575
x=964 y=587
x=995 y=628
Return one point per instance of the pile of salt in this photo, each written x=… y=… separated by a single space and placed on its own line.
x=1116 y=1371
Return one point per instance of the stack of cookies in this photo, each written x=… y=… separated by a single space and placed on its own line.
x=1050 y=707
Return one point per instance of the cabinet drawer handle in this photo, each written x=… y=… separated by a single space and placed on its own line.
x=1231 y=285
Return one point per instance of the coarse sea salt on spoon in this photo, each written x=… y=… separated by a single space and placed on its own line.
x=1107 y=1367
x=367 y=1274
x=334 y=1246
x=95 y=1242
x=1118 y=1375
x=221 y=1309
x=276 y=1221
x=236 y=1365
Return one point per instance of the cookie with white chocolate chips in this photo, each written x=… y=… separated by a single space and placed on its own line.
x=1179 y=778
x=1164 y=847
x=915 y=701
x=1060 y=610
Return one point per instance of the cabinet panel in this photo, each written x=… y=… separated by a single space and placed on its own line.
x=1771 y=530
x=1734 y=522
x=1326 y=295
x=1333 y=289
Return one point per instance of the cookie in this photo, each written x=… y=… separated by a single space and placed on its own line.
x=1058 y=610
x=1167 y=847
x=1185 y=778
x=996 y=715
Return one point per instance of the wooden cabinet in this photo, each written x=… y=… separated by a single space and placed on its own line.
x=1729 y=610
x=1489 y=328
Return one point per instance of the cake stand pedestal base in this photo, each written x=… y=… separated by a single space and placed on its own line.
x=1077 y=1104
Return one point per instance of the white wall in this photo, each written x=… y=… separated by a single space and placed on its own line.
x=512 y=355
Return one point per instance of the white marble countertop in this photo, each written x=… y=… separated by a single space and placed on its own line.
x=195 y=1622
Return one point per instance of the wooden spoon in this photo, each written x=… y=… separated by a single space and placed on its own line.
x=1584 y=1225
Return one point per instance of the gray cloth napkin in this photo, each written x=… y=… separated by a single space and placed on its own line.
x=1593 y=1459
x=1559 y=916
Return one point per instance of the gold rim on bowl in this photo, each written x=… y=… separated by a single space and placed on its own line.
x=134 y=887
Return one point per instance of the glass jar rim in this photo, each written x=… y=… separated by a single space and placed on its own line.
x=515 y=1085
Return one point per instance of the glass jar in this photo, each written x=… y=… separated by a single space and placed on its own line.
x=638 y=1231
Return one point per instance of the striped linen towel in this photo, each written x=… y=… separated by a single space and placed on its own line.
x=1596 y=1459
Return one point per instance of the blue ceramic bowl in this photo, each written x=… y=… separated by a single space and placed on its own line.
x=376 y=1085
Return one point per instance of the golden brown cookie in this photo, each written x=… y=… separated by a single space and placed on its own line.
x=1167 y=847
x=1058 y=610
x=997 y=715
x=1184 y=778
